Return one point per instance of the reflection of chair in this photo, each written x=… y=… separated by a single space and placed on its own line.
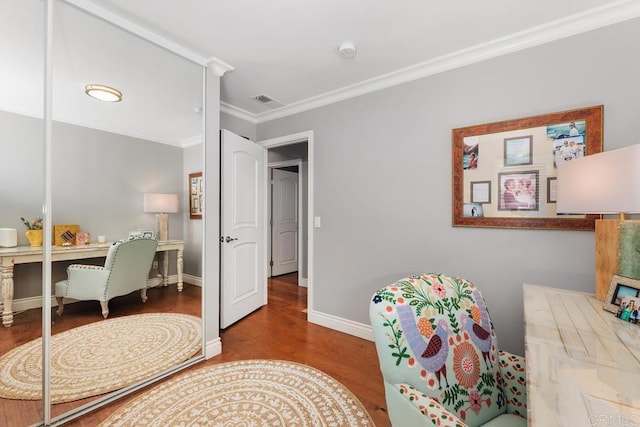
x=125 y=270
x=439 y=358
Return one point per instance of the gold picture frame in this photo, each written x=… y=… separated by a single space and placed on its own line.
x=517 y=157
x=196 y=195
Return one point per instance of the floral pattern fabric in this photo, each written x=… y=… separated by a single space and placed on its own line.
x=434 y=333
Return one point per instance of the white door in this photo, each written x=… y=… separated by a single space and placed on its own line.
x=284 y=234
x=244 y=273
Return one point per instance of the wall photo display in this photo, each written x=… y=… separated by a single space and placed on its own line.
x=196 y=195
x=509 y=169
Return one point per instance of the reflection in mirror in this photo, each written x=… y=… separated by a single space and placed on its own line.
x=106 y=156
x=21 y=192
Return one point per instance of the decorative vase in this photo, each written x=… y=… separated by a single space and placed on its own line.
x=34 y=237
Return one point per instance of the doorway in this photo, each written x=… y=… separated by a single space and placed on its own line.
x=285 y=208
x=296 y=151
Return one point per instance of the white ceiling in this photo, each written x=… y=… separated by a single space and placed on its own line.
x=286 y=49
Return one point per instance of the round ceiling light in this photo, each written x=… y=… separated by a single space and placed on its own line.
x=103 y=93
x=347 y=50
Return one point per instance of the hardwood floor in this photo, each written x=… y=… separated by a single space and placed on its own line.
x=280 y=330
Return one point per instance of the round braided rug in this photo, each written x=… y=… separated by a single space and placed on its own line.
x=246 y=393
x=101 y=357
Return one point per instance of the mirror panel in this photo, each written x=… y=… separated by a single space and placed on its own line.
x=106 y=156
x=21 y=193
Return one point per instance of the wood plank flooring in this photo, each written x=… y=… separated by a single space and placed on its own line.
x=280 y=330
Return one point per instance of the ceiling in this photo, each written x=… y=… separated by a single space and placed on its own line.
x=286 y=49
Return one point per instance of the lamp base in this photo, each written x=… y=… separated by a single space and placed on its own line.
x=162 y=226
x=607 y=236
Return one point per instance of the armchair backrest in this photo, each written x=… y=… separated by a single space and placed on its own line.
x=433 y=333
x=128 y=262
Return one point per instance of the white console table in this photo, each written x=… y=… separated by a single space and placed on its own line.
x=27 y=254
x=583 y=363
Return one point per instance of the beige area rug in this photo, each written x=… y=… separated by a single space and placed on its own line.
x=101 y=357
x=246 y=393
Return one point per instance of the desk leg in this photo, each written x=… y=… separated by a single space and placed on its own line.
x=180 y=267
x=7 y=295
x=165 y=268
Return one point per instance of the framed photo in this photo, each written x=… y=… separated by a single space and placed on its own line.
x=518 y=191
x=552 y=189
x=620 y=288
x=65 y=235
x=524 y=148
x=196 y=195
x=518 y=151
x=481 y=192
x=473 y=210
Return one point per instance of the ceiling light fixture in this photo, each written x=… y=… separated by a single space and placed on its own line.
x=103 y=93
x=347 y=50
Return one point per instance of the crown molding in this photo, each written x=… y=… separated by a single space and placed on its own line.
x=238 y=112
x=219 y=66
x=189 y=142
x=138 y=30
x=591 y=19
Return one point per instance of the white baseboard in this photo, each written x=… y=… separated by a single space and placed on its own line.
x=350 y=327
x=192 y=280
x=29 y=303
x=303 y=282
x=213 y=348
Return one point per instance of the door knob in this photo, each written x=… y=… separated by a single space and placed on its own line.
x=230 y=239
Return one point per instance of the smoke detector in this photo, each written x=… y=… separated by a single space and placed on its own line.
x=347 y=50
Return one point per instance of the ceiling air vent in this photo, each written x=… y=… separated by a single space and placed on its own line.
x=266 y=100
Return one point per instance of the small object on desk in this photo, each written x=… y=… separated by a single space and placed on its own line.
x=82 y=239
x=8 y=237
x=65 y=235
x=102 y=238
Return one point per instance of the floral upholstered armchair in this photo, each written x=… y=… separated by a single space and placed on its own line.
x=439 y=357
x=125 y=270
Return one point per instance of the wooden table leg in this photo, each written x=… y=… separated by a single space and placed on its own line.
x=165 y=268
x=180 y=267
x=7 y=295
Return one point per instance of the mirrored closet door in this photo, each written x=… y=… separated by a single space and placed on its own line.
x=104 y=157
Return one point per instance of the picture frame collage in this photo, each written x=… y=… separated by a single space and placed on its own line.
x=504 y=173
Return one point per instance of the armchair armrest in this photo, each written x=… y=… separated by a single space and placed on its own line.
x=429 y=407
x=513 y=380
x=85 y=282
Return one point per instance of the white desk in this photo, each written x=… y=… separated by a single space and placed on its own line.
x=26 y=254
x=583 y=363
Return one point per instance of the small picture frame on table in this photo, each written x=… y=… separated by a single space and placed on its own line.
x=620 y=288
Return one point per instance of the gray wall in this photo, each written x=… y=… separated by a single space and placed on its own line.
x=98 y=182
x=383 y=175
x=238 y=126
x=193 y=161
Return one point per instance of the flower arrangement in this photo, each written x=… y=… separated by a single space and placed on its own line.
x=36 y=224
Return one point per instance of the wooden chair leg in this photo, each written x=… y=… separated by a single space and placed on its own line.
x=60 y=305
x=105 y=308
x=143 y=294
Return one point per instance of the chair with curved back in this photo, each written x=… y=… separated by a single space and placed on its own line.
x=439 y=358
x=125 y=270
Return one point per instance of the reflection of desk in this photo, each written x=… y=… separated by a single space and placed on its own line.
x=583 y=363
x=26 y=254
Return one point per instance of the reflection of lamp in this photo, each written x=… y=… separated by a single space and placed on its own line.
x=161 y=204
x=602 y=183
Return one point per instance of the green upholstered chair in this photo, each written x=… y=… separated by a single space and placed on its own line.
x=125 y=270
x=439 y=356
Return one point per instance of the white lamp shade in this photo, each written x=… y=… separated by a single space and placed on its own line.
x=161 y=203
x=602 y=183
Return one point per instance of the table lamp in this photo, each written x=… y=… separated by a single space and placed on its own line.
x=161 y=204
x=602 y=183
